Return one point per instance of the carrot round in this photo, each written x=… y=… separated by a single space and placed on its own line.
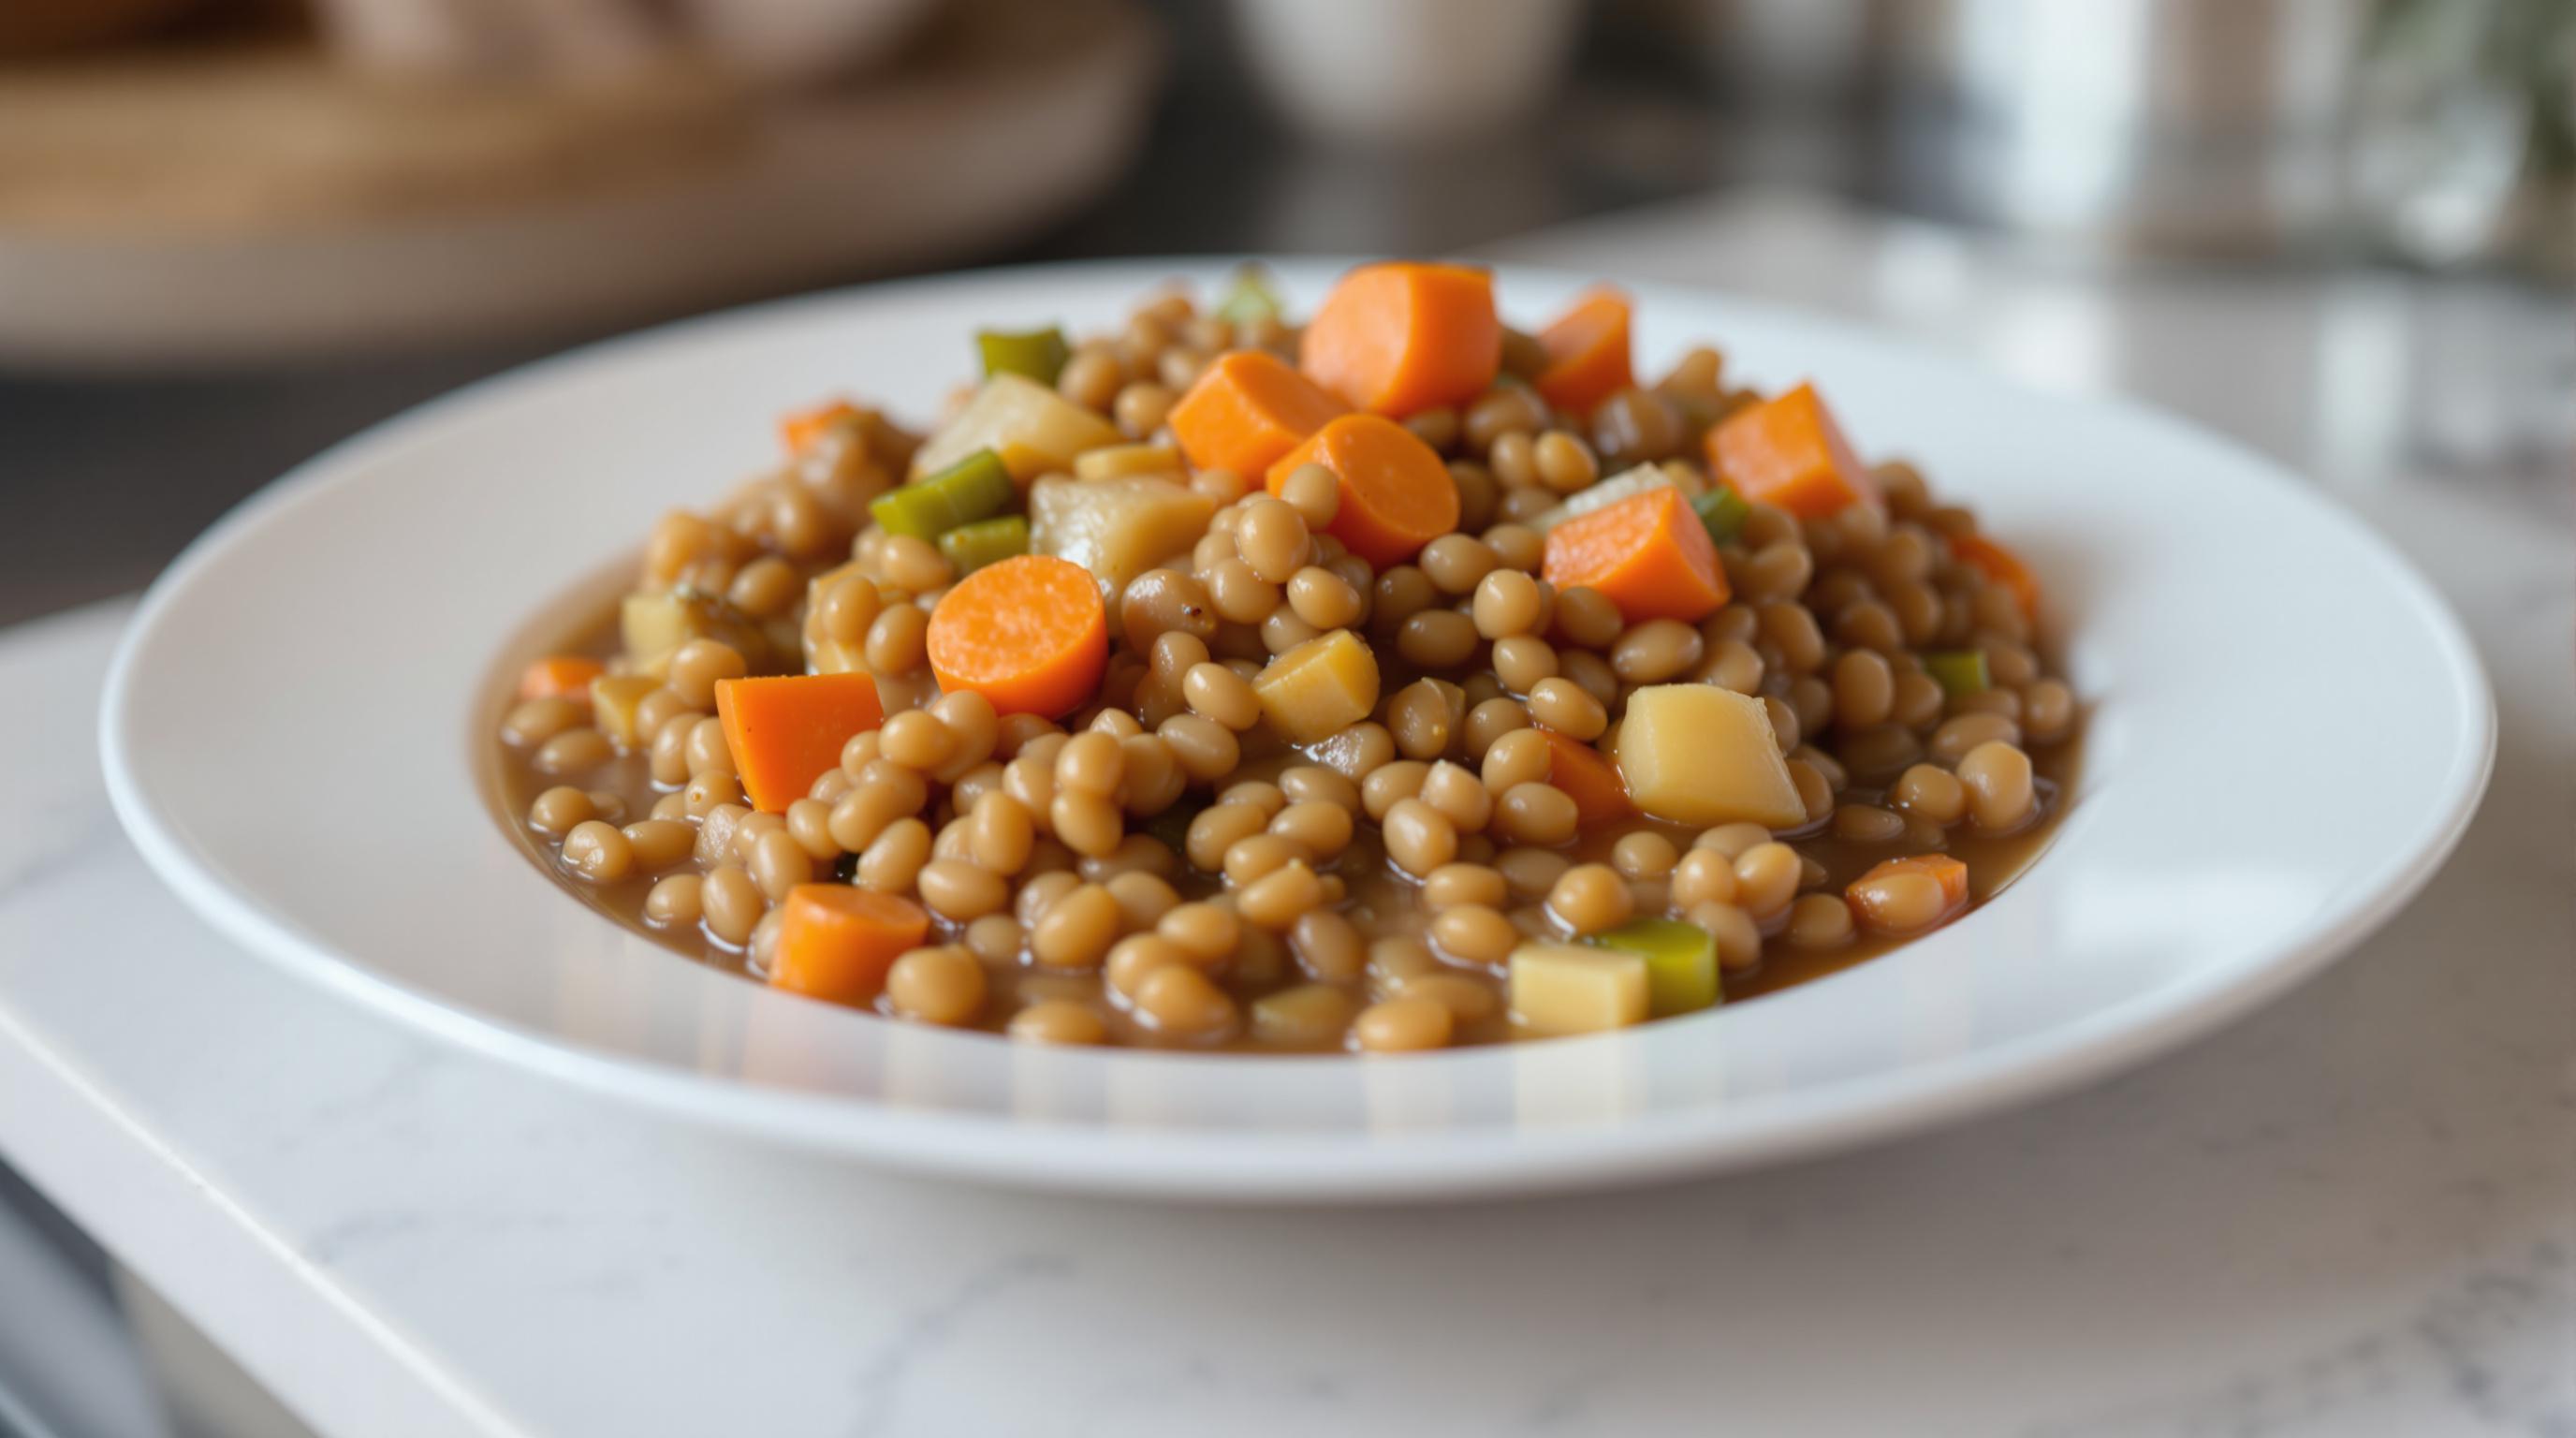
x=1648 y=554
x=784 y=730
x=1028 y=633
x=1247 y=409
x=1396 y=338
x=2000 y=566
x=1788 y=452
x=800 y=428
x=836 y=942
x=1587 y=352
x=1397 y=496
x=1588 y=779
x=560 y=676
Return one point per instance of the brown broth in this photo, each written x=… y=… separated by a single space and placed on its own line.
x=1381 y=901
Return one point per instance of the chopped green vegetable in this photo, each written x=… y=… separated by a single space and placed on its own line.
x=1959 y=671
x=1723 y=511
x=973 y=488
x=1681 y=962
x=987 y=541
x=1249 y=298
x=1038 y=354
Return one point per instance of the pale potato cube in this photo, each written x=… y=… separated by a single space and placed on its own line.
x=1698 y=754
x=1572 y=989
x=1626 y=484
x=613 y=698
x=1319 y=688
x=1030 y=426
x=1124 y=459
x=652 y=624
x=1116 y=528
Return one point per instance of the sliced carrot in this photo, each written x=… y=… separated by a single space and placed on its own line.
x=1028 y=633
x=1247 y=409
x=1396 y=494
x=799 y=428
x=1951 y=874
x=2000 y=566
x=836 y=942
x=1587 y=352
x=1789 y=452
x=560 y=676
x=1648 y=554
x=1396 y=338
x=785 y=730
x=1591 y=781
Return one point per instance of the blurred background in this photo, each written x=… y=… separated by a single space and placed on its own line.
x=232 y=231
x=235 y=231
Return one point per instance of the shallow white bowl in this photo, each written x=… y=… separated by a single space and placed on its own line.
x=2289 y=732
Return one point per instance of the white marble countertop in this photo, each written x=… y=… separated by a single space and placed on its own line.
x=2352 y=1214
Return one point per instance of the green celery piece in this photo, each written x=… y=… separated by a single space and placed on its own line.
x=1681 y=962
x=1723 y=511
x=1039 y=354
x=1249 y=297
x=972 y=546
x=1959 y=671
x=973 y=488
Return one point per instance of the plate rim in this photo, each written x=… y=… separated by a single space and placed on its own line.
x=1269 y=1165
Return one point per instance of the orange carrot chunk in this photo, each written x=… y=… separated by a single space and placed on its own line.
x=1588 y=779
x=1868 y=899
x=1246 y=410
x=836 y=942
x=1028 y=633
x=1648 y=554
x=2000 y=566
x=1396 y=494
x=1587 y=352
x=786 y=729
x=1789 y=452
x=560 y=676
x=1397 y=338
x=800 y=428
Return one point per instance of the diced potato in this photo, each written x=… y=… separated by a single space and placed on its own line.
x=1569 y=989
x=613 y=698
x=1116 y=528
x=1030 y=426
x=1125 y=459
x=652 y=623
x=1319 y=688
x=1698 y=754
x=1627 y=482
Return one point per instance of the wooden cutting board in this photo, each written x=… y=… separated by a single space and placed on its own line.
x=240 y=198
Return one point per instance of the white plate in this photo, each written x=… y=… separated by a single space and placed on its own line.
x=2289 y=733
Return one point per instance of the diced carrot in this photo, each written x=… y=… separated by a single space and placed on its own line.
x=1247 y=409
x=1028 y=633
x=560 y=676
x=835 y=942
x=1396 y=494
x=1788 y=452
x=1648 y=554
x=1951 y=874
x=1587 y=352
x=1396 y=338
x=785 y=730
x=799 y=428
x=1588 y=779
x=2000 y=566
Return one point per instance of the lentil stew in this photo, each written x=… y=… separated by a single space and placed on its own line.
x=1393 y=683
